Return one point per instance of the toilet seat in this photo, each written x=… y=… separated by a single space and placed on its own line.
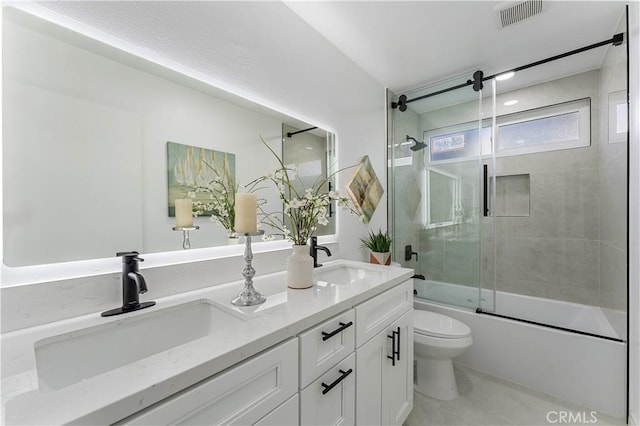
x=437 y=325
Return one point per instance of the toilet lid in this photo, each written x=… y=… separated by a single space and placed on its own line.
x=437 y=325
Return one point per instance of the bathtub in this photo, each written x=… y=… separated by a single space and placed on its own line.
x=594 y=320
x=578 y=368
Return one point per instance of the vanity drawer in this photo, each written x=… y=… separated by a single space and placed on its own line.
x=326 y=344
x=285 y=415
x=374 y=315
x=331 y=399
x=242 y=395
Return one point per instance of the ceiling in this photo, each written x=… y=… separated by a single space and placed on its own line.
x=405 y=45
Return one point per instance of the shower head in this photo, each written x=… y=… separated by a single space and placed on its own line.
x=417 y=144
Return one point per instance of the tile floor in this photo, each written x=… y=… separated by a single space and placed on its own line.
x=486 y=400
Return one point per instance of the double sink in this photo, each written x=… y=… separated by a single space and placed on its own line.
x=72 y=357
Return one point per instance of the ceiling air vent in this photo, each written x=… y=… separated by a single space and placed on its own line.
x=512 y=12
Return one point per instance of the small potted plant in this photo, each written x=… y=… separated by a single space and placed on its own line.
x=380 y=245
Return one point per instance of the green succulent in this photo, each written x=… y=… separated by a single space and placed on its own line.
x=377 y=242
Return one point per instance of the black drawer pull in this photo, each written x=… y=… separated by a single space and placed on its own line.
x=343 y=373
x=343 y=326
x=395 y=346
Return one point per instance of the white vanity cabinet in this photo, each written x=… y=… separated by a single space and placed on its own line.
x=285 y=415
x=244 y=394
x=384 y=357
x=327 y=372
x=354 y=368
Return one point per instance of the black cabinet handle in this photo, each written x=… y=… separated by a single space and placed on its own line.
x=343 y=326
x=395 y=346
x=343 y=375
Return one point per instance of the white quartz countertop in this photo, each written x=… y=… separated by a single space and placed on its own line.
x=118 y=393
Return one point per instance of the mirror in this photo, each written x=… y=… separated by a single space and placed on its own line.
x=85 y=158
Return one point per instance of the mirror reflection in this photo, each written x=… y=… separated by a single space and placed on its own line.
x=87 y=170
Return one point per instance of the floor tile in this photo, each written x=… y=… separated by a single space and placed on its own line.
x=487 y=400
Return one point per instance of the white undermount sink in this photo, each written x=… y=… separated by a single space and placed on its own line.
x=347 y=274
x=69 y=358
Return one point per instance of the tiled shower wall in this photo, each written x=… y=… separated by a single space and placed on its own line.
x=572 y=245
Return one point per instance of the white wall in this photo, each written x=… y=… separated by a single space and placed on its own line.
x=634 y=213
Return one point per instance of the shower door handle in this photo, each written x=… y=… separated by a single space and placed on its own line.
x=485 y=192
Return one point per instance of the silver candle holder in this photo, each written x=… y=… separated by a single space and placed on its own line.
x=186 y=243
x=248 y=296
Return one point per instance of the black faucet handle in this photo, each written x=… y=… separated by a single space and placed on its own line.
x=129 y=256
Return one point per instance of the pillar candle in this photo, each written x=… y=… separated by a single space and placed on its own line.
x=246 y=213
x=184 y=213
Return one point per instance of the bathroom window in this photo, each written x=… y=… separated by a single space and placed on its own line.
x=618 y=117
x=561 y=126
x=551 y=128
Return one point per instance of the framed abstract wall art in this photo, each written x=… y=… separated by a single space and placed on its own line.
x=364 y=189
x=190 y=167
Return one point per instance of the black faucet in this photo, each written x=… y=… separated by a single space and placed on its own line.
x=133 y=283
x=313 y=251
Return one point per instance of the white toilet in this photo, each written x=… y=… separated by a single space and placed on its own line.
x=437 y=340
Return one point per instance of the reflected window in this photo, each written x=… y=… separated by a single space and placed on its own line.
x=458 y=142
x=444 y=199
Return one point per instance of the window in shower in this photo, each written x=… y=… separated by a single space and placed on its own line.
x=554 y=127
x=551 y=128
x=618 y=117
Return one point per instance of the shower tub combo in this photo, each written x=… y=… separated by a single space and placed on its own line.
x=518 y=181
x=573 y=366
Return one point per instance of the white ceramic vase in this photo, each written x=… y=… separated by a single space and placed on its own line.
x=300 y=268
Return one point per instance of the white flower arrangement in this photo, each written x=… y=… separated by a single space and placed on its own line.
x=222 y=191
x=305 y=209
x=222 y=197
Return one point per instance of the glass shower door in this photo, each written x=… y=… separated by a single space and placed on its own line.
x=561 y=208
x=438 y=194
